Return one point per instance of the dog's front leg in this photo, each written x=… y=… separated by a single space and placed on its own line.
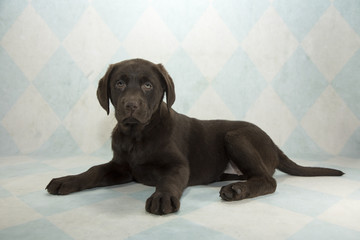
x=98 y=176
x=166 y=198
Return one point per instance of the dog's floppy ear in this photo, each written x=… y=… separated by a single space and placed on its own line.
x=169 y=86
x=103 y=93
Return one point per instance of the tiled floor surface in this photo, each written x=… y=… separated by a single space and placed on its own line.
x=301 y=208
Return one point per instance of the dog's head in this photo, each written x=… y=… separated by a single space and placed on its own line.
x=136 y=89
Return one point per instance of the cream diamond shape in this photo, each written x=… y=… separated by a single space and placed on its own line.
x=30 y=42
x=248 y=228
x=269 y=44
x=210 y=44
x=31 y=121
x=91 y=44
x=151 y=39
x=88 y=124
x=210 y=106
x=272 y=115
x=331 y=43
x=17 y=212
x=344 y=213
x=329 y=122
x=344 y=187
x=115 y=212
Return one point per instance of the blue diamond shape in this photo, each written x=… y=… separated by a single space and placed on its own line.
x=297 y=199
x=61 y=16
x=179 y=229
x=197 y=197
x=350 y=10
x=13 y=82
x=241 y=16
x=60 y=144
x=9 y=12
x=61 y=83
x=104 y=152
x=7 y=145
x=4 y=193
x=120 y=15
x=300 y=145
x=301 y=15
x=40 y=202
x=239 y=83
x=351 y=148
x=347 y=83
x=180 y=15
x=37 y=229
x=119 y=56
x=318 y=229
x=299 y=83
x=189 y=82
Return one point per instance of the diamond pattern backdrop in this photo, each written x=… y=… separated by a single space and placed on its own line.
x=292 y=67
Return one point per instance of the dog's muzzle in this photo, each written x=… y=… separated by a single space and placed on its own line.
x=132 y=112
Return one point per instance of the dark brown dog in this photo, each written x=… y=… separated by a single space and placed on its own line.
x=154 y=145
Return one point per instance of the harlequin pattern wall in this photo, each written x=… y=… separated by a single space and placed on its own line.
x=292 y=67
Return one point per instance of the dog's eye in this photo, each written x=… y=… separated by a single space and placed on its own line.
x=147 y=86
x=120 y=84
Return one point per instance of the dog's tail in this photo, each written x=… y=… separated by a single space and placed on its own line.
x=288 y=166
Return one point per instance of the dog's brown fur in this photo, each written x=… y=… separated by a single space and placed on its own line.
x=154 y=145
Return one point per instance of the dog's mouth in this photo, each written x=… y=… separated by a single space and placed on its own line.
x=130 y=121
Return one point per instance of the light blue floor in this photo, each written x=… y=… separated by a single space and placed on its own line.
x=301 y=208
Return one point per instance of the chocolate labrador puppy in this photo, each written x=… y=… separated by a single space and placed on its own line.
x=154 y=145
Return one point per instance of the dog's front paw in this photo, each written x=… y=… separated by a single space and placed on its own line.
x=63 y=185
x=234 y=191
x=162 y=203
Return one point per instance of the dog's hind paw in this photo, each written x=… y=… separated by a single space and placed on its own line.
x=233 y=192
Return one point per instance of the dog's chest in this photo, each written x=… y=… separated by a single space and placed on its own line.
x=134 y=152
x=142 y=165
x=127 y=146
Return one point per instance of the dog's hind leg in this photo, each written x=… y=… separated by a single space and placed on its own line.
x=246 y=148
